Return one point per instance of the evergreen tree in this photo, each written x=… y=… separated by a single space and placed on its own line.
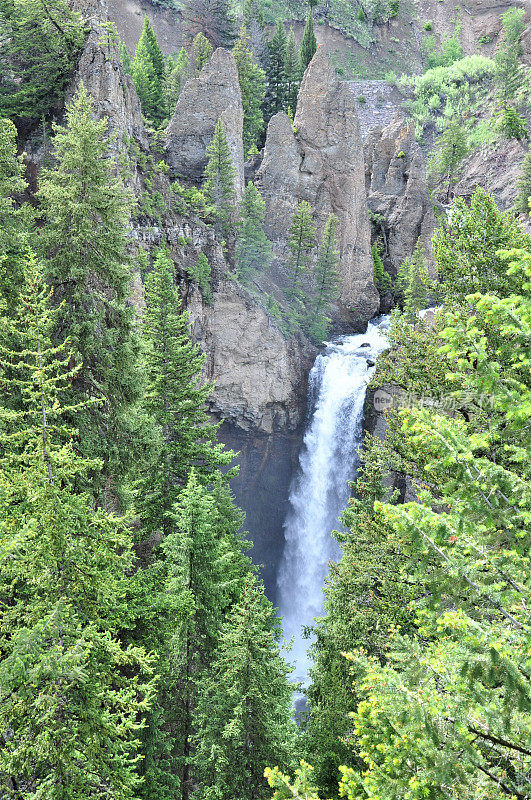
x=252 y=85
x=254 y=21
x=301 y=245
x=244 y=710
x=382 y=279
x=14 y=220
x=84 y=239
x=220 y=175
x=508 y=54
x=147 y=72
x=445 y=163
x=276 y=75
x=292 y=73
x=467 y=262
x=70 y=695
x=213 y=18
x=512 y=125
x=202 y=50
x=125 y=58
x=326 y=279
x=308 y=44
x=523 y=199
x=201 y=274
x=253 y=248
x=175 y=79
x=39 y=46
x=413 y=282
x=175 y=400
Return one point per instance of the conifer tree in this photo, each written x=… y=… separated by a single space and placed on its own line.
x=253 y=248
x=70 y=695
x=382 y=278
x=252 y=85
x=507 y=58
x=84 y=240
x=201 y=273
x=292 y=73
x=202 y=50
x=213 y=18
x=244 y=710
x=446 y=161
x=125 y=58
x=40 y=43
x=174 y=81
x=523 y=199
x=308 y=43
x=413 y=282
x=14 y=221
x=276 y=71
x=147 y=72
x=254 y=21
x=220 y=175
x=301 y=245
x=175 y=400
x=326 y=280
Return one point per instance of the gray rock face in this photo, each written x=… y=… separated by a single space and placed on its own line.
x=322 y=163
x=214 y=93
x=396 y=188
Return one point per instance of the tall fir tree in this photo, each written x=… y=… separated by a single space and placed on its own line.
x=202 y=50
x=413 y=282
x=254 y=21
x=301 y=245
x=244 y=710
x=292 y=72
x=71 y=695
x=253 y=248
x=308 y=43
x=446 y=161
x=176 y=77
x=147 y=72
x=84 y=241
x=220 y=176
x=523 y=198
x=276 y=71
x=326 y=281
x=252 y=85
x=508 y=54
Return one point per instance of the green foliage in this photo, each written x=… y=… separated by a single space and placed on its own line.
x=243 y=715
x=84 y=240
x=308 y=43
x=443 y=53
x=202 y=50
x=147 y=72
x=125 y=58
x=276 y=70
x=507 y=58
x=220 y=175
x=523 y=199
x=301 y=245
x=175 y=80
x=39 y=46
x=301 y=786
x=212 y=18
x=252 y=84
x=326 y=282
x=382 y=279
x=253 y=248
x=512 y=125
x=292 y=71
x=445 y=162
x=67 y=684
x=467 y=247
x=201 y=274
x=413 y=283
x=189 y=201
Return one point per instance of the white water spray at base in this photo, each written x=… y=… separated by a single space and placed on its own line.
x=319 y=493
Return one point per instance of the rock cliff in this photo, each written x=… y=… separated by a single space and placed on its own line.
x=213 y=94
x=320 y=160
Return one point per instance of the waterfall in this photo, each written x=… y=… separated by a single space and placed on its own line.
x=320 y=491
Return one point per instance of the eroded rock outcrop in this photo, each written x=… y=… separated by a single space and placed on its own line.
x=213 y=94
x=396 y=189
x=322 y=163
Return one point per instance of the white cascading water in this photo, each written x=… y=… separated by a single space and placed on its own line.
x=337 y=386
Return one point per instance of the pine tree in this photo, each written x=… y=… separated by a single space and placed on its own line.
x=84 y=239
x=202 y=50
x=413 y=282
x=253 y=248
x=512 y=124
x=175 y=80
x=326 y=284
x=175 y=400
x=507 y=58
x=276 y=75
x=70 y=695
x=213 y=18
x=446 y=161
x=125 y=58
x=220 y=175
x=15 y=220
x=301 y=245
x=382 y=278
x=292 y=73
x=254 y=21
x=308 y=44
x=252 y=86
x=244 y=710
x=201 y=274
x=523 y=199
x=147 y=72
x=39 y=46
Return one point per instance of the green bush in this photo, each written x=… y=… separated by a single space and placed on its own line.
x=428 y=26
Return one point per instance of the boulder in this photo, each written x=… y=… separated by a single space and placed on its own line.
x=320 y=160
x=213 y=94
